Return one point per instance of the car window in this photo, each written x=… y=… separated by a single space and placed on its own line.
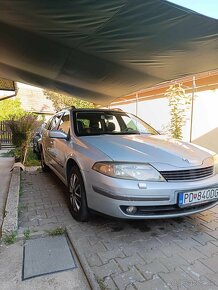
x=54 y=122
x=132 y=123
x=85 y=122
x=129 y=123
x=42 y=128
x=64 y=124
x=47 y=125
x=111 y=122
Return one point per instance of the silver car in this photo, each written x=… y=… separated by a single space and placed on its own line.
x=116 y=164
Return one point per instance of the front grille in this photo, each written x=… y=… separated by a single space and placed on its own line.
x=191 y=174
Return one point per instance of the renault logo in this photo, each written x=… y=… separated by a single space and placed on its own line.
x=186 y=160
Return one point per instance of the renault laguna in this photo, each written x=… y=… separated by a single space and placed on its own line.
x=114 y=163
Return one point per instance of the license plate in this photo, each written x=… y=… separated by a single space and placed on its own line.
x=199 y=196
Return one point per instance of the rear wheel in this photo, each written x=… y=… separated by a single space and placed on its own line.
x=77 y=196
x=45 y=168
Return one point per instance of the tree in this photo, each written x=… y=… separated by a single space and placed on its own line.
x=179 y=103
x=61 y=101
x=11 y=109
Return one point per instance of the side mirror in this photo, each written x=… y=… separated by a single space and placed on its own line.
x=58 y=135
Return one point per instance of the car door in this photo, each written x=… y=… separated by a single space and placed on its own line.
x=48 y=145
x=61 y=147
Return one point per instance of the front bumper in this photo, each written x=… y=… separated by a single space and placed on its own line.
x=112 y=196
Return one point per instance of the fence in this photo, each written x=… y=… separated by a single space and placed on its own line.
x=5 y=133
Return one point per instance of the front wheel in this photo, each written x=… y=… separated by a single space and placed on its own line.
x=77 y=196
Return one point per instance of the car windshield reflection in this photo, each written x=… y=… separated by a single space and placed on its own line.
x=110 y=123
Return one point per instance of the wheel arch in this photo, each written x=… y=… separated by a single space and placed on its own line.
x=71 y=163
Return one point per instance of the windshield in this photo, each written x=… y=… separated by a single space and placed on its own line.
x=111 y=122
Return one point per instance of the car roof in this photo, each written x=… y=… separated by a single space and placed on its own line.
x=90 y=110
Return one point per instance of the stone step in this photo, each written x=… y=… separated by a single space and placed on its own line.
x=6 y=146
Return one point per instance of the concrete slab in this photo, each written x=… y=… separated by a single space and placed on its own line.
x=5 y=177
x=11 y=258
x=10 y=223
x=45 y=256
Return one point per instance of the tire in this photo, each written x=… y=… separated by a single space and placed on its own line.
x=77 y=196
x=45 y=168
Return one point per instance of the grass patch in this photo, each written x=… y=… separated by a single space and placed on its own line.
x=21 y=208
x=10 y=239
x=26 y=234
x=101 y=284
x=21 y=188
x=32 y=158
x=57 y=232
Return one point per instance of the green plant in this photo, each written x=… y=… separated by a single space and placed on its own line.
x=11 y=109
x=179 y=103
x=10 y=239
x=21 y=208
x=101 y=284
x=57 y=232
x=32 y=159
x=61 y=101
x=13 y=153
x=26 y=234
x=22 y=131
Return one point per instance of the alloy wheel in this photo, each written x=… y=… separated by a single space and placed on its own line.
x=75 y=192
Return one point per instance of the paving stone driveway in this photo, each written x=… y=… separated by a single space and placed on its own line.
x=43 y=202
x=159 y=254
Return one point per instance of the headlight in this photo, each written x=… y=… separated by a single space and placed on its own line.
x=215 y=159
x=128 y=171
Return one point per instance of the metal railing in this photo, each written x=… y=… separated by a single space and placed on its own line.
x=5 y=133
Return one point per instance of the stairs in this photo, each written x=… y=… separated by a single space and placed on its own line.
x=6 y=146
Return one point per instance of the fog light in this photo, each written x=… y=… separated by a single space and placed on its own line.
x=131 y=209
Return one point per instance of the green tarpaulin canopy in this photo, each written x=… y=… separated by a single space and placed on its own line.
x=101 y=50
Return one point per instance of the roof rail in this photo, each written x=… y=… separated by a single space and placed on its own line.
x=66 y=108
x=117 y=109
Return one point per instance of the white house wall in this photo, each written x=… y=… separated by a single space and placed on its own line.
x=154 y=112
x=205 y=125
x=205 y=117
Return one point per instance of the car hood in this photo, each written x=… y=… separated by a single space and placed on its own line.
x=158 y=150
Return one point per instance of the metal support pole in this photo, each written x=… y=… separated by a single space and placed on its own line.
x=136 y=104
x=192 y=106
